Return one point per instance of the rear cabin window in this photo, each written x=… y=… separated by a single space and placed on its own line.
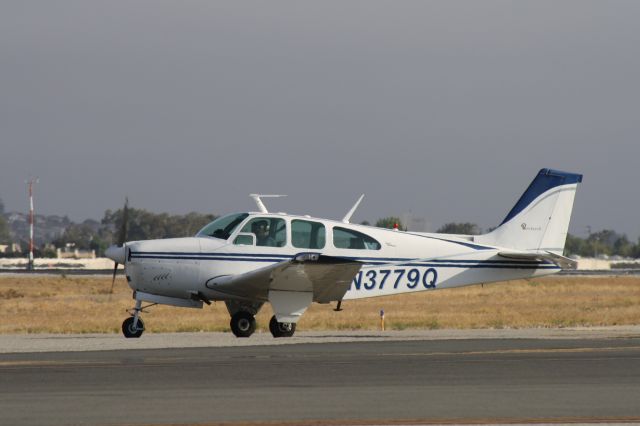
x=307 y=234
x=349 y=239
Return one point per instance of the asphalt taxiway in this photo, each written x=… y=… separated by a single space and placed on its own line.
x=370 y=378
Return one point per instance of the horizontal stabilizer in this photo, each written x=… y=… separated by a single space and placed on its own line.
x=561 y=261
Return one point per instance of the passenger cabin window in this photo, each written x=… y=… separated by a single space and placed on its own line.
x=349 y=239
x=222 y=227
x=307 y=234
x=268 y=231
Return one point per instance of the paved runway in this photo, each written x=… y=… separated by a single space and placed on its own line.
x=464 y=380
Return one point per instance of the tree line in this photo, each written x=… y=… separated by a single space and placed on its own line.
x=606 y=242
x=601 y=243
x=143 y=225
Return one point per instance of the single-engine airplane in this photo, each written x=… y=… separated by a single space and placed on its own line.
x=250 y=258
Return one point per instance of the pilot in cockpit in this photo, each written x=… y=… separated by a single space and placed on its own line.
x=261 y=229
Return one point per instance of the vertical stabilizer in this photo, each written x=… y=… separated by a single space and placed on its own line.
x=540 y=219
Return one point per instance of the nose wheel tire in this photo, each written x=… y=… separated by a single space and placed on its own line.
x=129 y=331
x=281 y=329
x=243 y=324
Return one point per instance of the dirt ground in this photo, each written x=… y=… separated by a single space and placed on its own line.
x=76 y=304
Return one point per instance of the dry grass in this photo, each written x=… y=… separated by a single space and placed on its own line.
x=42 y=304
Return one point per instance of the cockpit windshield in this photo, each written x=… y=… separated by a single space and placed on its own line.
x=222 y=227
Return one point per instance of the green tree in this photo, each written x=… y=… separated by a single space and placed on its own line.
x=635 y=251
x=81 y=235
x=602 y=242
x=459 y=228
x=575 y=246
x=622 y=247
x=605 y=242
x=389 y=223
x=144 y=225
x=5 y=236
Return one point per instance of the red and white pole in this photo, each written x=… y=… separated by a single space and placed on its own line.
x=30 y=183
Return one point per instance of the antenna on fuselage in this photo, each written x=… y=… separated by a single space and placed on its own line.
x=347 y=217
x=257 y=199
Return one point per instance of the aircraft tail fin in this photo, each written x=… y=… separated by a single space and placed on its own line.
x=540 y=219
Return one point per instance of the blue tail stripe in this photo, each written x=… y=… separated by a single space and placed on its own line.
x=545 y=180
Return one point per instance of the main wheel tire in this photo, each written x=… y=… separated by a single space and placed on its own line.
x=281 y=329
x=129 y=331
x=243 y=324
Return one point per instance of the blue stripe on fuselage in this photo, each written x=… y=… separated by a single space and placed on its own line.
x=163 y=255
x=366 y=261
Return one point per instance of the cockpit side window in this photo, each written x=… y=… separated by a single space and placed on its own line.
x=222 y=227
x=349 y=239
x=307 y=234
x=268 y=231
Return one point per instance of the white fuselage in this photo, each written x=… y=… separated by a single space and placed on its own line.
x=404 y=262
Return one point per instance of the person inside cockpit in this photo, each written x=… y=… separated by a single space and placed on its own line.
x=261 y=229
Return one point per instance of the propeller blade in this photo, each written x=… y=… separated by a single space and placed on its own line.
x=113 y=281
x=119 y=251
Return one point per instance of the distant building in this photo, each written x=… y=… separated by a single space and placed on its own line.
x=10 y=248
x=71 y=252
x=601 y=263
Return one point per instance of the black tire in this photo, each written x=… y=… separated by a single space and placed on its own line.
x=243 y=324
x=281 y=329
x=129 y=331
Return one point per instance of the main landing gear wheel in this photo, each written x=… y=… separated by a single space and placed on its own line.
x=128 y=329
x=281 y=329
x=243 y=324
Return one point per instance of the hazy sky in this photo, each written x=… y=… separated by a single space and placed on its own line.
x=446 y=108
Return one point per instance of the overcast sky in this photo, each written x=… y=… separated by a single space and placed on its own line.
x=445 y=109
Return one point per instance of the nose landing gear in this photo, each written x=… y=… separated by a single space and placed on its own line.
x=133 y=326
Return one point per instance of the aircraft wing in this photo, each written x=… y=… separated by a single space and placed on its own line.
x=291 y=285
x=561 y=261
